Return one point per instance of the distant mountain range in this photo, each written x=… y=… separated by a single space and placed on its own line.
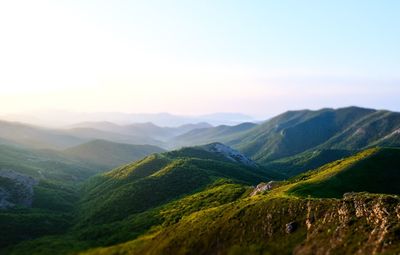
x=295 y=132
x=281 y=142
x=44 y=138
x=147 y=129
x=57 y=119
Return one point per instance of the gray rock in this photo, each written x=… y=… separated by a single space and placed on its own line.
x=291 y=227
x=263 y=187
x=230 y=154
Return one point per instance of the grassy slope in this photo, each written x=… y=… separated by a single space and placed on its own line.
x=256 y=225
x=375 y=171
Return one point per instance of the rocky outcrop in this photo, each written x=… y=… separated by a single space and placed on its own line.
x=260 y=188
x=359 y=224
x=4 y=199
x=15 y=189
x=229 y=153
x=291 y=227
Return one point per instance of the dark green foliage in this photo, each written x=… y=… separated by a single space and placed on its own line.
x=49 y=245
x=22 y=224
x=55 y=197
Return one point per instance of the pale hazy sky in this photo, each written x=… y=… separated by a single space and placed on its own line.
x=194 y=57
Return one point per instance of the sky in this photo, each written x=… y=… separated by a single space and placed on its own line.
x=196 y=57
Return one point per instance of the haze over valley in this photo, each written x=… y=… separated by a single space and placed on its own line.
x=199 y=127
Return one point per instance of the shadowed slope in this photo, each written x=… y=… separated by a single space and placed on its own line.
x=374 y=171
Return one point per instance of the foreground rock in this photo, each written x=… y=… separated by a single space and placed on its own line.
x=357 y=224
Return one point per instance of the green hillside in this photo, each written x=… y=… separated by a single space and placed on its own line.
x=158 y=179
x=298 y=131
x=293 y=136
x=110 y=154
x=286 y=221
x=378 y=128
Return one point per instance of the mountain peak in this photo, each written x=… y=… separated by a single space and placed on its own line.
x=229 y=153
